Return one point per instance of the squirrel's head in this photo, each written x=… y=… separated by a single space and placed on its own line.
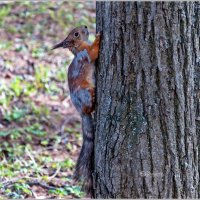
x=72 y=41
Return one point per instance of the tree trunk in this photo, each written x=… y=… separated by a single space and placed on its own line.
x=197 y=79
x=145 y=139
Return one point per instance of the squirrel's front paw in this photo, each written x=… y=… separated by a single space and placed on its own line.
x=98 y=35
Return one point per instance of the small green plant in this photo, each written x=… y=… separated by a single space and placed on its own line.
x=22 y=188
x=17 y=86
x=75 y=190
x=15 y=115
x=59 y=191
x=61 y=74
x=6 y=170
x=29 y=88
x=36 y=129
x=68 y=163
x=42 y=76
x=16 y=133
x=72 y=190
x=38 y=52
x=39 y=110
x=5 y=98
x=4 y=12
x=5 y=45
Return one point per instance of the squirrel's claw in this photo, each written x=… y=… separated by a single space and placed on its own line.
x=98 y=34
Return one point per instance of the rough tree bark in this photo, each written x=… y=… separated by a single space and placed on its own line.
x=197 y=79
x=145 y=139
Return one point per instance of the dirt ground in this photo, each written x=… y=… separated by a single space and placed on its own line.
x=39 y=128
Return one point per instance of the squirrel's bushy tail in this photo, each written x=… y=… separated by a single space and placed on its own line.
x=84 y=166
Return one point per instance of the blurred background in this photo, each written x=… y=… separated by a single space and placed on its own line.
x=40 y=131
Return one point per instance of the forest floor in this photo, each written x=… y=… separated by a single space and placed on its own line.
x=39 y=128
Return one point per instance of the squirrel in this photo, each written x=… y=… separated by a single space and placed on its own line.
x=81 y=83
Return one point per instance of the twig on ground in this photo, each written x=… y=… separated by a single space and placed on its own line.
x=55 y=174
x=31 y=183
x=10 y=182
x=44 y=185
x=34 y=194
x=30 y=156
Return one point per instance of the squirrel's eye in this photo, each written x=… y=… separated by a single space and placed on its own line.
x=86 y=27
x=76 y=34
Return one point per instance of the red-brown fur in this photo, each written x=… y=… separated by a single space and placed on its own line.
x=81 y=83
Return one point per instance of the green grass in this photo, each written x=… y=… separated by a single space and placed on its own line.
x=33 y=98
x=4 y=12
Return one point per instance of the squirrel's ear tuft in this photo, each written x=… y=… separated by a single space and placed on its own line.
x=57 y=46
x=68 y=44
